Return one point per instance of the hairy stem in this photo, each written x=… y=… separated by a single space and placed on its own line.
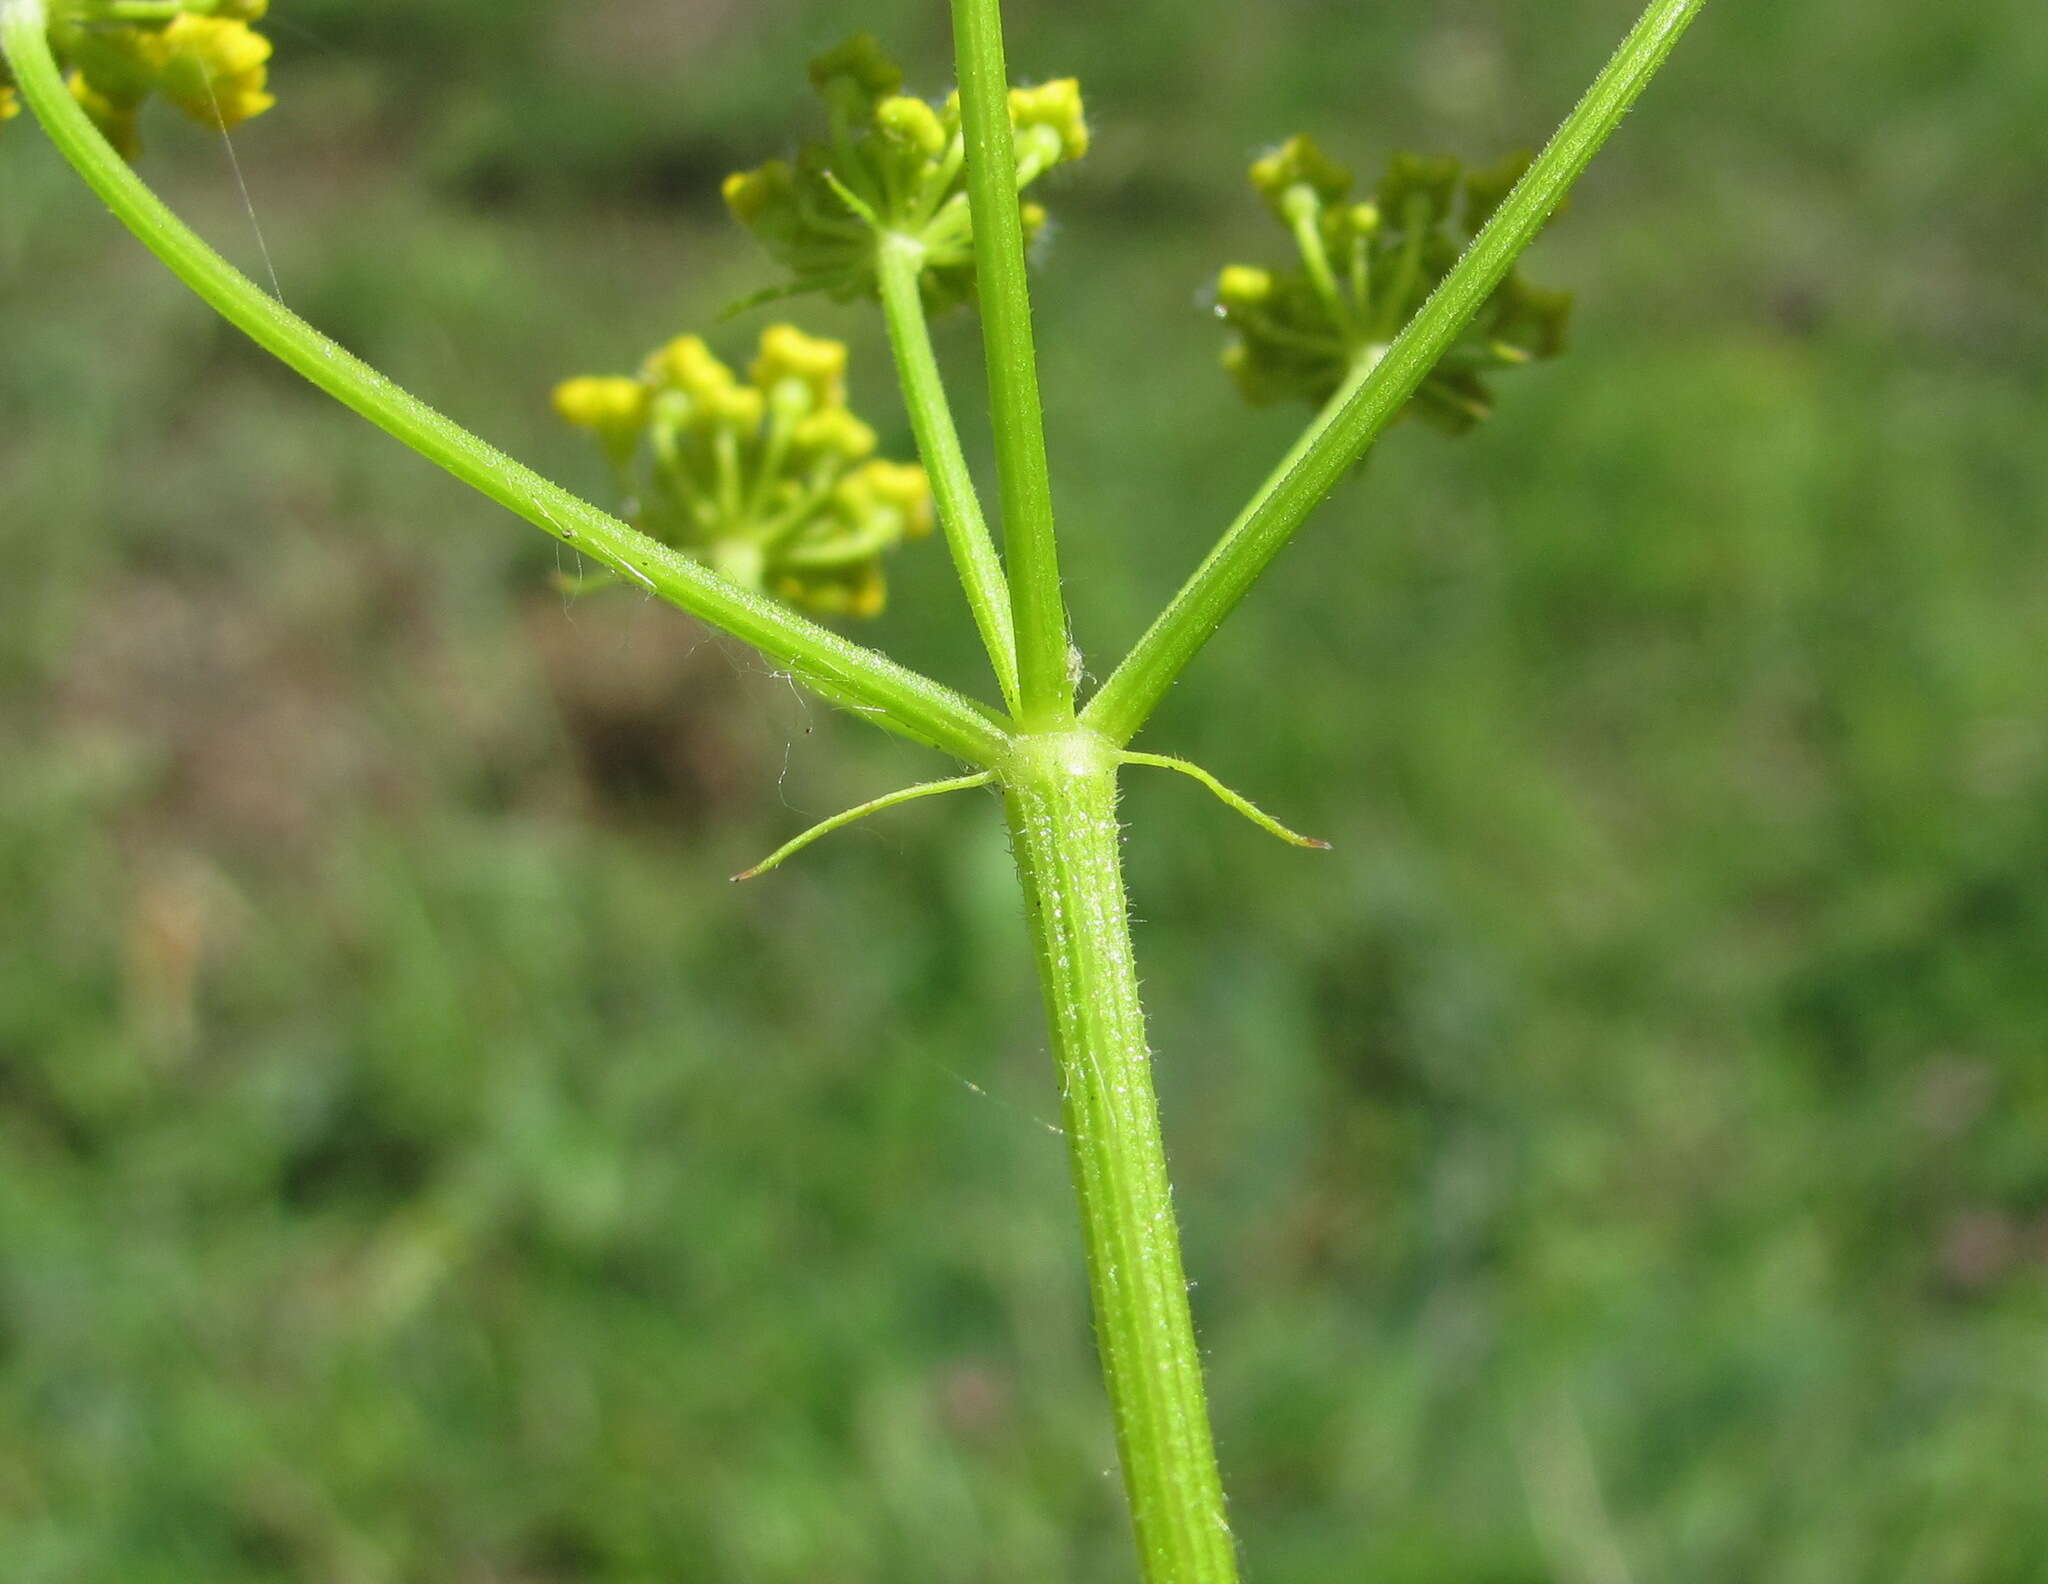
x=845 y=672
x=1060 y=797
x=1032 y=556
x=899 y=264
x=1337 y=441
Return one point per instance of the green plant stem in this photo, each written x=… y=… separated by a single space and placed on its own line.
x=1032 y=557
x=845 y=672
x=1060 y=794
x=899 y=266
x=1340 y=437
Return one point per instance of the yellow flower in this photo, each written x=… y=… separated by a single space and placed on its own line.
x=716 y=396
x=768 y=480
x=688 y=365
x=815 y=363
x=212 y=68
x=10 y=103
x=735 y=406
x=602 y=402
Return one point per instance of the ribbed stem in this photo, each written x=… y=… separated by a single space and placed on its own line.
x=1060 y=795
x=1029 y=552
x=899 y=267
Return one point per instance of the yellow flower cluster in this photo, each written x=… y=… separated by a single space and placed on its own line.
x=770 y=480
x=892 y=164
x=1364 y=267
x=207 y=60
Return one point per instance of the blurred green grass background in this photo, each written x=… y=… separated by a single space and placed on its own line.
x=1624 y=1159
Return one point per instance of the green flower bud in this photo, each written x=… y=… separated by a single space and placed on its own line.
x=754 y=195
x=1244 y=286
x=913 y=122
x=900 y=487
x=859 y=67
x=1300 y=163
x=1055 y=106
x=894 y=165
x=1364 y=268
x=834 y=433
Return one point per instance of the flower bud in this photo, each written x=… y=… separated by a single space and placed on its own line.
x=894 y=166
x=1300 y=163
x=1057 y=106
x=901 y=487
x=602 y=402
x=755 y=194
x=859 y=66
x=732 y=406
x=1243 y=286
x=688 y=365
x=835 y=433
x=914 y=122
x=1364 y=269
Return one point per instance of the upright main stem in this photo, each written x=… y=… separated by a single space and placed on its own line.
x=1060 y=797
x=1005 y=291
